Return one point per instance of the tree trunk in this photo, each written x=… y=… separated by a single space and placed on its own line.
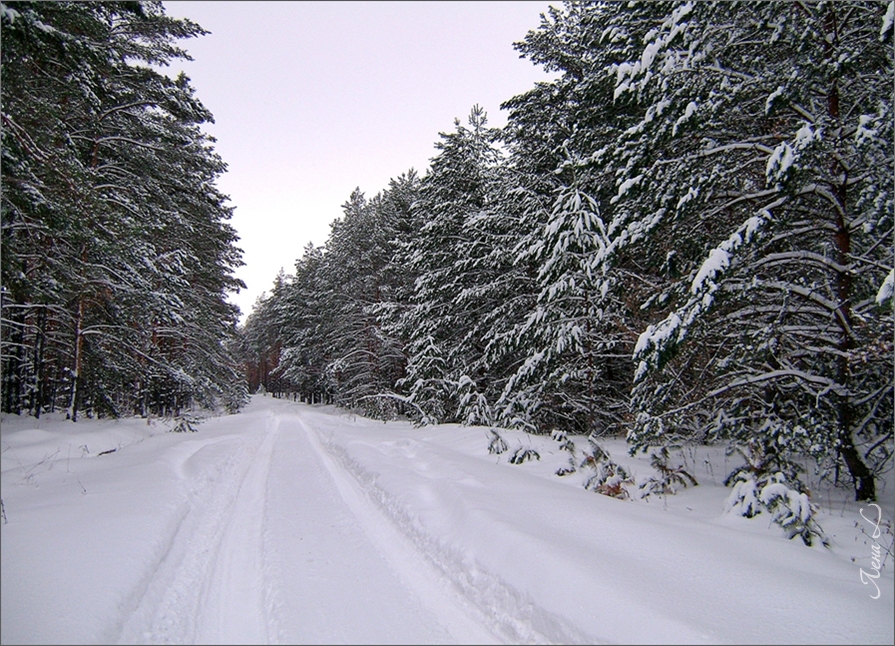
x=37 y=395
x=12 y=368
x=865 y=486
x=862 y=477
x=76 y=371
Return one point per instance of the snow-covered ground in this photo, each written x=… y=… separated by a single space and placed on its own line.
x=295 y=524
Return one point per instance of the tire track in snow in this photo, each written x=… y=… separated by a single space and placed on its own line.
x=452 y=609
x=168 y=606
x=510 y=615
x=234 y=608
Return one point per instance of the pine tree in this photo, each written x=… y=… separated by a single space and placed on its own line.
x=760 y=165
x=576 y=338
x=396 y=282
x=303 y=359
x=444 y=309
x=726 y=169
x=117 y=255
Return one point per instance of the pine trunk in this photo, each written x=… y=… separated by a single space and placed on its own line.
x=37 y=394
x=865 y=487
x=13 y=364
x=76 y=371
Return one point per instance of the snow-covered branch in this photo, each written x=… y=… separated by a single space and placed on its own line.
x=800 y=375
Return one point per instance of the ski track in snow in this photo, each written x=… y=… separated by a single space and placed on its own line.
x=252 y=559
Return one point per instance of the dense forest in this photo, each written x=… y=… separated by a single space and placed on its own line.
x=117 y=257
x=687 y=236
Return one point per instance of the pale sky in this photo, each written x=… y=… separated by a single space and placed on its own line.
x=313 y=99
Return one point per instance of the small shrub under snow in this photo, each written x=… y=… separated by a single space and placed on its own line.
x=565 y=444
x=667 y=478
x=184 y=424
x=761 y=485
x=497 y=445
x=522 y=454
x=609 y=478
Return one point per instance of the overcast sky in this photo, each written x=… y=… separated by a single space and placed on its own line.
x=313 y=99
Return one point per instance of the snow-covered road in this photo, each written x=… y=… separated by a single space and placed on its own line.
x=295 y=524
x=278 y=543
